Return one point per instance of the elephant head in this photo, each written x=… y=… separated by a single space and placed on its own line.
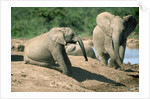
x=118 y=29
x=65 y=35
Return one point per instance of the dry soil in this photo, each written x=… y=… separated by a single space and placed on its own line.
x=89 y=76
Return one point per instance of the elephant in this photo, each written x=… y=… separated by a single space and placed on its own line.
x=74 y=49
x=49 y=48
x=88 y=43
x=110 y=36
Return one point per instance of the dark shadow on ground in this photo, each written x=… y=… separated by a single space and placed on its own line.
x=17 y=58
x=81 y=75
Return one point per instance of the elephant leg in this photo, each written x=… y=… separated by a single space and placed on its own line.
x=44 y=64
x=122 y=50
x=26 y=59
x=106 y=55
x=61 y=57
x=112 y=62
x=34 y=62
x=51 y=65
x=58 y=68
x=69 y=66
x=100 y=56
x=104 y=59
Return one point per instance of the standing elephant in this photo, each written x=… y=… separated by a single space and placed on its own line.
x=49 y=48
x=74 y=49
x=110 y=35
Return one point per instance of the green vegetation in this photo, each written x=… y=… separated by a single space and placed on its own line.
x=28 y=22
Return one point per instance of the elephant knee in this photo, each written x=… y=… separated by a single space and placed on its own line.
x=26 y=60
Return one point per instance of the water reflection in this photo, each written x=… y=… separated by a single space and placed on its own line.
x=131 y=55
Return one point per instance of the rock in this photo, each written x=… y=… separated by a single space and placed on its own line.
x=18 y=45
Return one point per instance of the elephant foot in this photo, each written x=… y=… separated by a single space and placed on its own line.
x=56 y=67
x=113 y=65
x=67 y=73
x=26 y=61
x=104 y=59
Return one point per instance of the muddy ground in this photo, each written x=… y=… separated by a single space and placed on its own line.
x=88 y=76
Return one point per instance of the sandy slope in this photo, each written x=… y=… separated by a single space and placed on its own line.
x=87 y=76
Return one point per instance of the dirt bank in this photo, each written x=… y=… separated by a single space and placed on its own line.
x=88 y=76
x=133 y=43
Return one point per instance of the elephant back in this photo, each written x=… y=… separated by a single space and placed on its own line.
x=103 y=20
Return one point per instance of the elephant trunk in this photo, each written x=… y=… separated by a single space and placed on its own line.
x=116 y=43
x=82 y=47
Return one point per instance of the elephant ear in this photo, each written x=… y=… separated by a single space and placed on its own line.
x=103 y=20
x=130 y=24
x=58 y=36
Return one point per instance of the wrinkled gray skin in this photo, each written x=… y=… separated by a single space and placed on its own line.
x=75 y=50
x=109 y=37
x=49 y=48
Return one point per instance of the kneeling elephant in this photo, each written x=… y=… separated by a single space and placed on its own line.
x=49 y=48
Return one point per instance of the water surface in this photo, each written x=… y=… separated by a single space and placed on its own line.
x=131 y=56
